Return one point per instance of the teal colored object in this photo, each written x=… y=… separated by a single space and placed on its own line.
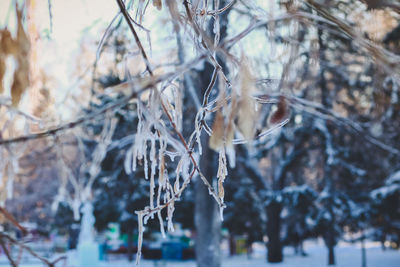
x=103 y=251
x=172 y=250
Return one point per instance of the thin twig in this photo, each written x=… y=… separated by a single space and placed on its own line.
x=221 y=10
x=28 y=249
x=11 y=218
x=145 y=85
x=5 y=250
x=135 y=35
x=210 y=86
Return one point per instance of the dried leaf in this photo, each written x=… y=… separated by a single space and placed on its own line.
x=8 y=44
x=21 y=74
x=21 y=80
x=247 y=113
x=158 y=4
x=174 y=11
x=17 y=87
x=281 y=113
x=221 y=192
x=218 y=128
x=2 y=71
x=22 y=38
x=229 y=133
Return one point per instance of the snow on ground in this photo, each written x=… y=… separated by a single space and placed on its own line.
x=346 y=256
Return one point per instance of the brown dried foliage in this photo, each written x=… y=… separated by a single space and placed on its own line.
x=158 y=4
x=8 y=44
x=2 y=70
x=18 y=48
x=281 y=113
x=218 y=128
x=21 y=74
x=247 y=114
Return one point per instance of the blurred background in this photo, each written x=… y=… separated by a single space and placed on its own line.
x=319 y=183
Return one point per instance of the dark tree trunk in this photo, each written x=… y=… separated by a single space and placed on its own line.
x=232 y=245
x=207 y=221
x=274 y=245
x=383 y=240
x=331 y=255
x=330 y=238
x=363 y=253
x=130 y=243
x=326 y=102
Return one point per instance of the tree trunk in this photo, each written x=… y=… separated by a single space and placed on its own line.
x=330 y=242
x=274 y=245
x=363 y=253
x=207 y=221
x=130 y=243
x=331 y=255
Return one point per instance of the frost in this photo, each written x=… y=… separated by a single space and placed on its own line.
x=198 y=119
x=230 y=152
x=172 y=155
x=160 y=219
x=178 y=171
x=170 y=211
x=140 y=237
x=146 y=165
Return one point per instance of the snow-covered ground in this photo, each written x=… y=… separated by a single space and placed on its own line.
x=346 y=256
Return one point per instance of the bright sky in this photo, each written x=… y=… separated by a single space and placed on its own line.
x=74 y=19
x=71 y=20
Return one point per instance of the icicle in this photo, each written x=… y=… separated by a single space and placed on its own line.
x=221 y=213
x=198 y=130
x=221 y=175
x=152 y=187
x=159 y=211
x=128 y=161
x=140 y=237
x=147 y=217
x=178 y=107
x=172 y=155
x=178 y=174
x=163 y=176
x=153 y=161
x=160 y=219
x=230 y=151
x=138 y=143
x=135 y=152
x=153 y=158
x=185 y=166
x=146 y=164
x=165 y=198
x=171 y=209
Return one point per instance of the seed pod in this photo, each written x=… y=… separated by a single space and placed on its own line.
x=218 y=128
x=281 y=113
x=158 y=4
